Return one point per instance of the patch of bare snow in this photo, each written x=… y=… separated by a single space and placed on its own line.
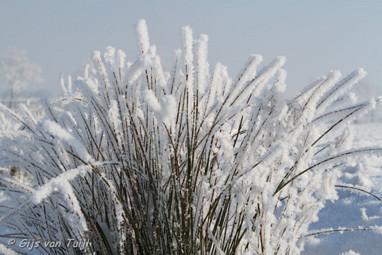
x=354 y=210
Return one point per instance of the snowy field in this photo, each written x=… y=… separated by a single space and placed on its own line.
x=354 y=210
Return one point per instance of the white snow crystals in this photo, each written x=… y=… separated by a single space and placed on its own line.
x=140 y=161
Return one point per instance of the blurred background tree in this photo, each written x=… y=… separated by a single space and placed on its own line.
x=16 y=71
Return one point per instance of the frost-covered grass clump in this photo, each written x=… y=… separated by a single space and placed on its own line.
x=136 y=160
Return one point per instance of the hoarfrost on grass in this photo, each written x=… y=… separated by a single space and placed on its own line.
x=189 y=161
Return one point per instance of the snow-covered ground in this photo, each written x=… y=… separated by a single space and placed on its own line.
x=354 y=210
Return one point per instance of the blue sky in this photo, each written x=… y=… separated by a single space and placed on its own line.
x=315 y=36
